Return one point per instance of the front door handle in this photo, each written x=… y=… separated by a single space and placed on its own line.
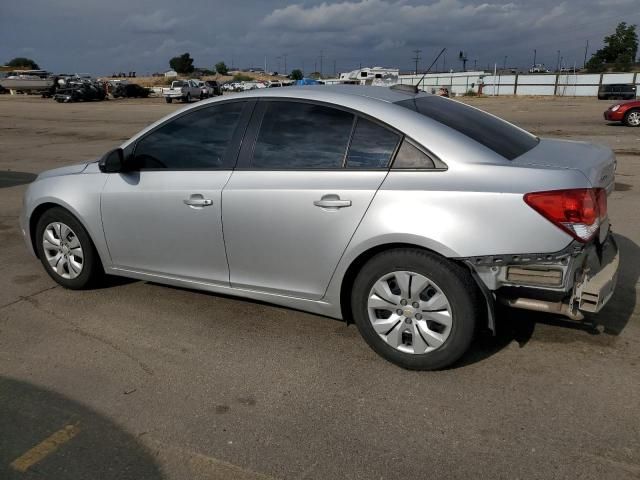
x=332 y=201
x=198 y=201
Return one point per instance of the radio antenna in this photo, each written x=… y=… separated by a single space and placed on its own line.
x=432 y=64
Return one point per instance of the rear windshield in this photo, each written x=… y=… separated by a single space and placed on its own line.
x=179 y=83
x=500 y=136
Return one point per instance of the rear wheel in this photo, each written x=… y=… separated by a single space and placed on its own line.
x=415 y=309
x=632 y=118
x=66 y=251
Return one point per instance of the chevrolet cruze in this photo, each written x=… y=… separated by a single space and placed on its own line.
x=410 y=214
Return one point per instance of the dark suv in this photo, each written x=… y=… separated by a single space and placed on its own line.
x=617 y=91
x=215 y=86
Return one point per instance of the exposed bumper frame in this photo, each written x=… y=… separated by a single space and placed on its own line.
x=589 y=276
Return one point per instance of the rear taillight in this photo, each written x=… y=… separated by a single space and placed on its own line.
x=578 y=212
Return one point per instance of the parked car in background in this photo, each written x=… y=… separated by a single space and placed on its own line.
x=539 y=68
x=409 y=213
x=128 y=90
x=214 y=86
x=625 y=112
x=617 y=91
x=80 y=90
x=184 y=90
x=205 y=90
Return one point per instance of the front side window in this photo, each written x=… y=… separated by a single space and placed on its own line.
x=295 y=135
x=197 y=140
x=371 y=146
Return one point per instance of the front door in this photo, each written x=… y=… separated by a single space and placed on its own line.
x=164 y=216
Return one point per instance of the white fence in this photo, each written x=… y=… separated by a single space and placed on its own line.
x=565 y=84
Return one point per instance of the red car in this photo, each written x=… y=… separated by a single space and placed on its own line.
x=625 y=112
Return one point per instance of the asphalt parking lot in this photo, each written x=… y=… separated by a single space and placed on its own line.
x=142 y=381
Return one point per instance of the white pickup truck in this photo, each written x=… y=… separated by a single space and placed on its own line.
x=184 y=90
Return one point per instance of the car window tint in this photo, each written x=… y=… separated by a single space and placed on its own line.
x=500 y=136
x=193 y=141
x=409 y=156
x=302 y=135
x=371 y=146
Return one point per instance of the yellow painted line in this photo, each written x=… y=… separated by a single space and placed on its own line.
x=44 y=448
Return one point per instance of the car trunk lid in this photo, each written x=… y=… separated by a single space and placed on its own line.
x=596 y=162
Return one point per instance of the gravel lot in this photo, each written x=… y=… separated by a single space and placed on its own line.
x=147 y=381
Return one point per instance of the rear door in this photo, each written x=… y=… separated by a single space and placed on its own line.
x=306 y=175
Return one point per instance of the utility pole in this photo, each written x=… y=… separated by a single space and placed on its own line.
x=285 y=63
x=321 y=57
x=558 y=62
x=463 y=58
x=504 y=65
x=475 y=65
x=535 y=52
x=335 y=72
x=278 y=58
x=265 y=64
x=417 y=58
x=586 y=49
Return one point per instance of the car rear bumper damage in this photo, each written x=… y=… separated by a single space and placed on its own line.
x=579 y=279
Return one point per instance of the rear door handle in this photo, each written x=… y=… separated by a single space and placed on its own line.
x=198 y=201
x=332 y=201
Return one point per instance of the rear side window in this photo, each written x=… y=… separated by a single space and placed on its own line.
x=295 y=135
x=411 y=157
x=371 y=146
x=500 y=136
x=197 y=140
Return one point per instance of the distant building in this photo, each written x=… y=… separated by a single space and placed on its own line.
x=171 y=73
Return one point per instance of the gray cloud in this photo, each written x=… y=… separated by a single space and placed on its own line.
x=100 y=37
x=156 y=22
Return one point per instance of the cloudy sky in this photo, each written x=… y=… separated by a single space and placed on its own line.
x=104 y=36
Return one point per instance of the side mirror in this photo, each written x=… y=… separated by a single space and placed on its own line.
x=112 y=162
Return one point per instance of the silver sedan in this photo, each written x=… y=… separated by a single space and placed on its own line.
x=409 y=214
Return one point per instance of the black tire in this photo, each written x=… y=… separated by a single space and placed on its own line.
x=453 y=280
x=168 y=100
x=92 y=271
x=627 y=121
x=187 y=99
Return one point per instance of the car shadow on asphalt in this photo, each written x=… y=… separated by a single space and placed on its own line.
x=519 y=326
x=47 y=435
x=10 y=178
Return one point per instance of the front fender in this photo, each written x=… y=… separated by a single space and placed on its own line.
x=79 y=194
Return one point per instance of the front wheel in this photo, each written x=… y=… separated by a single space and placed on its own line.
x=415 y=309
x=632 y=118
x=66 y=251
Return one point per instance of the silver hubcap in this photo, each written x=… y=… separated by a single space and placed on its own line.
x=409 y=312
x=62 y=250
x=634 y=118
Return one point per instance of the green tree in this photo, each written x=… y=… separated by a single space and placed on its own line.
x=620 y=50
x=221 y=68
x=182 y=64
x=22 y=62
x=296 y=74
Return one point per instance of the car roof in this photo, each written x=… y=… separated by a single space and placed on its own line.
x=330 y=93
